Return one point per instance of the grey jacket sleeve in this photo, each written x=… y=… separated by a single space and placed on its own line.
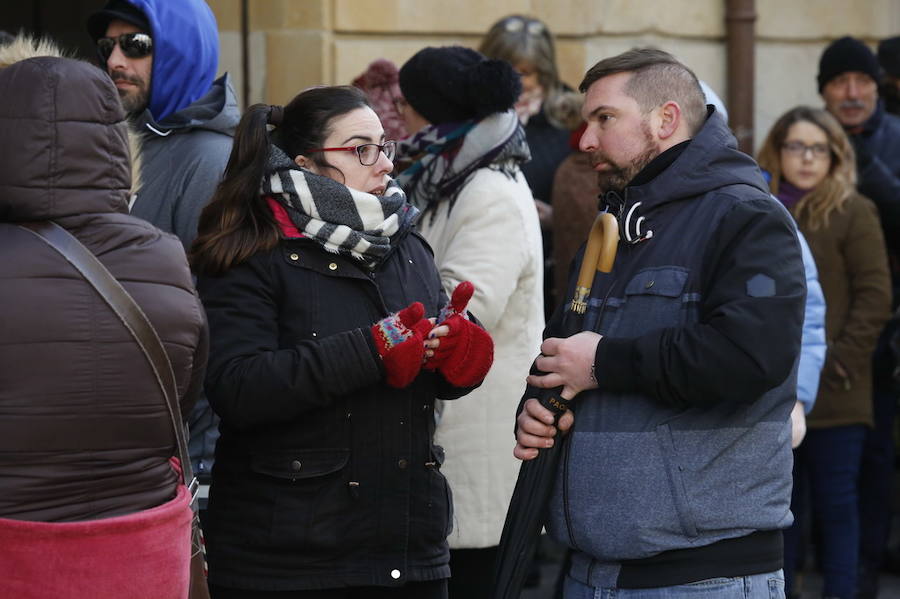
x=197 y=189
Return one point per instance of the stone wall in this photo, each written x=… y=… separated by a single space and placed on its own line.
x=297 y=43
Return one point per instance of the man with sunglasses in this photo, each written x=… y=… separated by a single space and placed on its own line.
x=162 y=56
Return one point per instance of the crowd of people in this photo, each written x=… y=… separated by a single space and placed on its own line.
x=347 y=295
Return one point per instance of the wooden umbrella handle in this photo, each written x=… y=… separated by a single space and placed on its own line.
x=598 y=256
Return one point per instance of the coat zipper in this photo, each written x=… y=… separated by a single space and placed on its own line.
x=566 y=449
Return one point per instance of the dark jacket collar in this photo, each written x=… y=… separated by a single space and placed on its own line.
x=710 y=161
x=874 y=121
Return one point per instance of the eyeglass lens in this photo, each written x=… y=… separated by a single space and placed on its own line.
x=133 y=45
x=799 y=148
x=368 y=153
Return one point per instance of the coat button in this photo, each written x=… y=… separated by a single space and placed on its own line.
x=332 y=266
x=401 y=463
x=395 y=574
x=649 y=284
x=295 y=257
x=296 y=465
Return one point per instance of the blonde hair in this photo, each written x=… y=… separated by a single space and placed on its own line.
x=830 y=195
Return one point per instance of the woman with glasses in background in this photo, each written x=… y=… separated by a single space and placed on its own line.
x=813 y=174
x=323 y=367
x=548 y=110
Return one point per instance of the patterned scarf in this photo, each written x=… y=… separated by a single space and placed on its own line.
x=342 y=220
x=444 y=156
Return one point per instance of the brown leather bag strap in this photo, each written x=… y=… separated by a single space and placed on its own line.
x=131 y=316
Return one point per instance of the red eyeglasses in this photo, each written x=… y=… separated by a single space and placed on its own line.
x=367 y=153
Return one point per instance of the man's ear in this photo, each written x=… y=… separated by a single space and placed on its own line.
x=669 y=119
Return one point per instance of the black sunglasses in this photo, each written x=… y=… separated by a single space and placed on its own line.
x=133 y=45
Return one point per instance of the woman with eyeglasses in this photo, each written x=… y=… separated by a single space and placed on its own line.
x=813 y=174
x=324 y=367
x=548 y=110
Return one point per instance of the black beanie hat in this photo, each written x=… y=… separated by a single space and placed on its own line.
x=889 y=55
x=847 y=54
x=454 y=83
x=116 y=9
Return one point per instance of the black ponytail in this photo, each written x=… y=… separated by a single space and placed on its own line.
x=237 y=222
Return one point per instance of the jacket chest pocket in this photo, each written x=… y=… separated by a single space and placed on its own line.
x=654 y=298
x=324 y=295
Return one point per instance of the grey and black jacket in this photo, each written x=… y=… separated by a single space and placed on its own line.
x=183 y=158
x=682 y=455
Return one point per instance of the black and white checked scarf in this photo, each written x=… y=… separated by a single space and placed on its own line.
x=342 y=220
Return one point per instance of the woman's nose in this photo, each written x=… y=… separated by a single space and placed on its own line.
x=384 y=164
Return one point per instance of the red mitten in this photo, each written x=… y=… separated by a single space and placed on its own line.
x=458 y=302
x=464 y=356
x=400 y=339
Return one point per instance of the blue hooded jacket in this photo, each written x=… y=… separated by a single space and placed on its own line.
x=185 y=52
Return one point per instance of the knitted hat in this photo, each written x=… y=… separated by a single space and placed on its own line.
x=453 y=83
x=889 y=55
x=379 y=81
x=847 y=54
x=121 y=10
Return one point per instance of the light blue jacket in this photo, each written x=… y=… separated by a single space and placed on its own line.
x=812 y=350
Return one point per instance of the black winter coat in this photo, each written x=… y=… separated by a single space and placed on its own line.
x=324 y=475
x=878 y=165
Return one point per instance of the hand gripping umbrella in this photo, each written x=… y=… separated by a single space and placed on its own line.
x=524 y=518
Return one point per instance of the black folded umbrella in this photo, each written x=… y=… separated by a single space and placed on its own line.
x=525 y=516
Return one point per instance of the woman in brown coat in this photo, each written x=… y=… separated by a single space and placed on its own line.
x=813 y=174
x=85 y=434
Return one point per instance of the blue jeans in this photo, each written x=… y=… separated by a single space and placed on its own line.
x=876 y=476
x=756 y=586
x=828 y=461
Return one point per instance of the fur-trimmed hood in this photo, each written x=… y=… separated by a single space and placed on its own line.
x=25 y=46
x=74 y=155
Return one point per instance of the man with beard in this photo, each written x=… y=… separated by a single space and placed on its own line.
x=162 y=56
x=849 y=75
x=676 y=473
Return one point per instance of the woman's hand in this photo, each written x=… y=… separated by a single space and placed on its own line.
x=433 y=339
x=458 y=348
x=545 y=214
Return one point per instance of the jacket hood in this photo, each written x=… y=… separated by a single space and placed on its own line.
x=217 y=110
x=24 y=47
x=709 y=162
x=67 y=150
x=185 y=52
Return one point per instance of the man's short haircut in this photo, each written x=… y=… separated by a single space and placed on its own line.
x=657 y=78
